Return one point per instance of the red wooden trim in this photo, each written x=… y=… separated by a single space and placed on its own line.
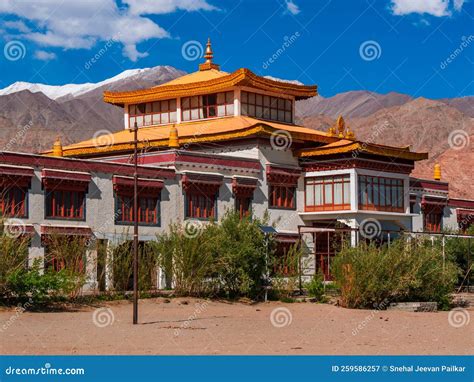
x=63 y=230
x=16 y=177
x=348 y=163
x=461 y=203
x=146 y=187
x=201 y=182
x=283 y=175
x=64 y=175
x=183 y=157
x=244 y=187
x=432 y=201
x=465 y=216
x=83 y=165
x=23 y=230
x=429 y=184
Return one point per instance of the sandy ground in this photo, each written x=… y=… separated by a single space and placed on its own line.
x=192 y=326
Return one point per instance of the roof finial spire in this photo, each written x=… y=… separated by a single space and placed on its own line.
x=209 y=53
x=208 y=64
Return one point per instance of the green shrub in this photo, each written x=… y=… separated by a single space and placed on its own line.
x=315 y=287
x=240 y=255
x=185 y=253
x=41 y=287
x=403 y=271
x=120 y=264
x=229 y=258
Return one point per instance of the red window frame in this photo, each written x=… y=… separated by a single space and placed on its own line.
x=200 y=205
x=156 y=110
x=432 y=219
x=13 y=202
x=243 y=205
x=266 y=107
x=282 y=196
x=208 y=108
x=332 y=180
x=148 y=210
x=65 y=204
x=391 y=199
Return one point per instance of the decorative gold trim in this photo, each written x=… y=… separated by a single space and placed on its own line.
x=396 y=152
x=254 y=130
x=239 y=77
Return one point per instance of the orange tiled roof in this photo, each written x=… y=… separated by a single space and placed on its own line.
x=347 y=146
x=203 y=131
x=209 y=81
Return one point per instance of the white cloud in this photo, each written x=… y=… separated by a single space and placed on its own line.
x=19 y=26
x=81 y=24
x=438 y=8
x=458 y=4
x=292 y=7
x=148 y=7
x=44 y=56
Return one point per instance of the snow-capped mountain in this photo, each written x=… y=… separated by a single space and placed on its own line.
x=74 y=90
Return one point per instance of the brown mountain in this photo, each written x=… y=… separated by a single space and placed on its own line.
x=31 y=121
x=425 y=125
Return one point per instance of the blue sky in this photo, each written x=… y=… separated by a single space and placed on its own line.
x=419 y=47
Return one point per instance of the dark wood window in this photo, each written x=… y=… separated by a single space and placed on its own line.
x=282 y=196
x=153 y=113
x=432 y=218
x=65 y=204
x=328 y=193
x=207 y=106
x=13 y=202
x=200 y=205
x=381 y=194
x=243 y=205
x=266 y=107
x=148 y=210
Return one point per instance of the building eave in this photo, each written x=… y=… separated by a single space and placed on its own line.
x=243 y=77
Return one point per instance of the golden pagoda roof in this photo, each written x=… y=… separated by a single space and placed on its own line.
x=209 y=81
x=202 y=75
x=346 y=146
x=201 y=131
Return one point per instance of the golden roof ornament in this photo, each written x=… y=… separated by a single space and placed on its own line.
x=341 y=125
x=437 y=172
x=208 y=64
x=57 y=148
x=173 y=138
x=349 y=133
